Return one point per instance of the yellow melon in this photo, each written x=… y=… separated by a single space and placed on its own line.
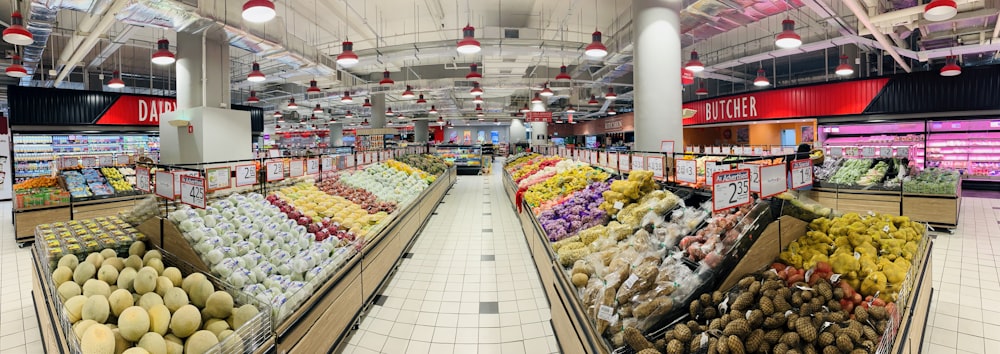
x=74 y=308
x=120 y=343
x=119 y=300
x=135 y=350
x=96 y=308
x=95 y=259
x=108 y=274
x=98 y=339
x=61 y=275
x=148 y=300
x=242 y=315
x=174 y=275
x=191 y=280
x=137 y=249
x=68 y=290
x=145 y=280
x=84 y=272
x=133 y=323
x=219 y=305
x=175 y=298
x=185 y=321
x=116 y=262
x=126 y=278
x=153 y=343
x=80 y=328
x=216 y=326
x=155 y=263
x=162 y=285
x=200 y=292
x=159 y=319
x=108 y=253
x=96 y=287
x=70 y=261
x=134 y=262
x=152 y=254
x=200 y=342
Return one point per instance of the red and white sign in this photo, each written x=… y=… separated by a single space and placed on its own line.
x=613 y=158
x=802 y=173
x=773 y=180
x=538 y=117
x=165 y=184
x=687 y=77
x=142 y=179
x=754 y=175
x=193 y=191
x=275 y=171
x=246 y=175
x=624 y=163
x=731 y=189
x=296 y=168
x=137 y=110
x=655 y=164
x=686 y=171
x=312 y=166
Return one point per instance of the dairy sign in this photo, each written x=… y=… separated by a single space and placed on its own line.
x=137 y=110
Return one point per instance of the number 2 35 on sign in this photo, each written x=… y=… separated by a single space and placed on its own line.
x=730 y=189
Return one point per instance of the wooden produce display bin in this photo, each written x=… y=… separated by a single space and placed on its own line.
x=937 y=210
x=863 y=201
x=26 y=219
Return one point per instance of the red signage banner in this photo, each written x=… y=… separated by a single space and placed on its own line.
x=836 y=99
x=538 y=117
x=687 y=77
x=137 y=110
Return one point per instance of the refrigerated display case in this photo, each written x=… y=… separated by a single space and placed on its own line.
x=971 y=147
x=904 y=140
x=35 y=154
x=467 y=158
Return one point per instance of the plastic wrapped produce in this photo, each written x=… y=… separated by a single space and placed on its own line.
x=576 y=213
x=828 y=168
x=851 y=171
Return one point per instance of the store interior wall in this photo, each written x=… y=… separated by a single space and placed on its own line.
x=459 y=132
x=746 y=134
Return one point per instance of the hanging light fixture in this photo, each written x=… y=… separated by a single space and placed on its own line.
x=761 y=80
x=255 y=74
x=610 y=95
x=570 y=109
x=563 y=75
x=537 y=98
x=313 y=88
x=695 y=64
x=473 y=72
x=702 y=91
x=277 y=114
x=116 y=80
x=347 y=56
x=480 y=115
x=788 y=38
x=477 y=99
x=496 y=121
x=258 y=11
x=593 y=100
x=525 y=109
x=367 y=104
x=313 y=117
x=845 y=68
x=348 y=115
x=433 y=110
x=596 y=49
x=611 y=111
x=365 y=122
x=253 y=97
x=440 y=120
x=386 y=80
x=468 y=44
x=408 y=93
x=937 y=10
x=346 y=98
x=163 y=55
x=476 y=90
x=951 y=67
x=389 y=112
x=16 y=34
x=546 y=91
x=16 y=69
x=421 y=100
x=318 y=109
x=479 y=108
x=292 y=104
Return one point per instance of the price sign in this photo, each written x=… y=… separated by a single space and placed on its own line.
x=638 y=162
x=667 y=146
x=802 y=173
x=837 y=151
x=754 y=175
x=623 y=163
x=106 y=160
x=686 y=171
x=142 y=179
x=868 y=152
x=613 y=160
x=218 y=178
x=689 y=149
x=326 y=163
x=274 y=153
x=711 y=168
x=655 y=163
x=165 y=184
x=602 y=159
x=193 y=191
x=775 y=151
x=121 y=159
x=296 y=168
x=312 y=166
x=88 y=161
x=788 y=150
x=903 y=151
x=246 y=175
x=885 y=151
x=593 y=158
x=349 y=160
x=726 y=150
x=177 y=180
x=275 y=171
x=773 y=180
x=732 y=189
x=758 y=151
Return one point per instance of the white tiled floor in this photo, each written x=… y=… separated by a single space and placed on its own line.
x=18 y=323
x=468 y=287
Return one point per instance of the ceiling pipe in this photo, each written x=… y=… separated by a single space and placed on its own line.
x=106 y=22
x=83 y=29
x=879 y=36
x=116 y=43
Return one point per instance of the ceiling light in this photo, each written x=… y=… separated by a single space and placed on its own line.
x=292 y=104
x=611 y=111
x=525 y=109
x=702 y=91
x=386 y=80
x=570 y=109
x=348 y=115
x=537 y=98
x=313 y=117
x=563 y=75
x=440 y=119
x=596 y=49
x=610 y=95
x=694 y=65
x=317 y=109
x=365 y=122
x=845 y=68
x=476 y=91
x=367 y=103
x=480 y=115
x=258 y=11
x=255 y=74
x=546 y=91
x=788 y=38
x=496 y=121
x=420 y=99
x=433 y=110
x=116 y=80
x=479 y=108
x=468 y=44
x=473 y=72
x=477 y=99
x=761 y=80
x=389 y=112
x=253 y=97
x=346 y=98
x=951 y=67
x=408 y=93
x=163 y=55
x=937 y=10
x=16 y=69
x=593 y=100
x=313 y=88
x=16 y=34
x=347 y=56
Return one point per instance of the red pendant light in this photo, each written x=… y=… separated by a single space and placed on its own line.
x=253 y=97
x=292 y=104
x=389 y=112
x=468 y=44
x=313 y=88
x=845 y=68
x=365 y=122
x=476 y=90
x=761 y=80
x=348 y=115
x=536 y=99
x=563 y=75
x=433 y=110
x=473 y=72
x=477 y=99
x=596 y=49
x=16 y=34
x=347 y=56
x=318 y=109
x=386 y=80
x=258 y=11
x=546 y=91
x=951 y=67
x=610 y=95
x=788 y=39
x=116 y=80
x=479 y=108
x=570 y=109
x=163 y=55
x=937 y=10
x=496 y=121
x=16 y=69
x=367 y=104
x=277 y=114
x=695 y=64
x=702 y=91
x=346 y=98
x=611 y=111
x=440 y=120
x=421 y=100
x=525 y=109
x=313 y=117
x=255 y=74
x=593 y=100
x=408 y=93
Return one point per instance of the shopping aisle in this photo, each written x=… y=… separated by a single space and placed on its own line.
x=18 y=323
x=467 y=286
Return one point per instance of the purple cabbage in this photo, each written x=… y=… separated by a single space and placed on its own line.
x=581 y=211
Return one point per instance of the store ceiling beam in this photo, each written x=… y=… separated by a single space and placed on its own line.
x=107 y=20
x=825 y=12
x=879 y=36
x=115 y=44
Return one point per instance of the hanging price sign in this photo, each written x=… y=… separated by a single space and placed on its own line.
x=349 y=160
x=754 y=175
x=275 y=171
x=802 y=173
x=868 y=152
x=142 y=179
x=613 y=160
x=775 y=151
x=296 y=168
x=327 y=163
x=602 y=159
x=218 y=178
x=711 y=169
x=655 y=163
x=686 y=171
x=121 y=159
x=903 y=151
x=193 y=191
x=88 y=161
x=837 y=151
x=624 y=163
x=246 y=175
x=885 y=152
x=773 y=180
x=758 y=151
x=177 y=180
x=105 y=160
x=312 y=166
x=638 y=162
x=165 y=184
x=593 y=158
x=731 y=189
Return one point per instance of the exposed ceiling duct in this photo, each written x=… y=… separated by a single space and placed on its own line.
x=41 y=21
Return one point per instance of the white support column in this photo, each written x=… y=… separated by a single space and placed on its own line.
x=657 y=74
x=420 y=131
x=539 y=133
x=516 y=132
x=378 y=111
x=336 y=134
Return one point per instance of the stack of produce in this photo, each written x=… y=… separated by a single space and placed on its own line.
x=713 y=242
x=534 y=167
x=896 y=180
x=427 y=163
x=116 y=303
x=549 y=170
x=515 y=162
x=765 y=314
x=562 y=184
x=144 y=209
x=254 y=245
x=129 y=174
x=801 y=210
x=624 y=192
x=874 y=175
x=873 y=253
x=933 y=181
x=76 y=184
x=578 y=212
x=116 y=179
x=361 y=197
x=37 y=182
x=306 y=204
x=77 y=237
x=828 y=168
x=851 y=171
x=402 y=166
x=386 y=183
